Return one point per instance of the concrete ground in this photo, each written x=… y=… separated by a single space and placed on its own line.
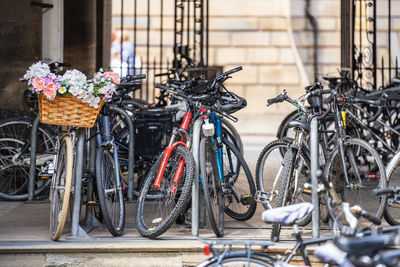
x=25 y=241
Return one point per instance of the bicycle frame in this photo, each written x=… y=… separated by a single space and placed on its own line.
x=182 y=132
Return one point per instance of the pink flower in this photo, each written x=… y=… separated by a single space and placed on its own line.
x=38 y=84
x=50 y=91
x=114 y=76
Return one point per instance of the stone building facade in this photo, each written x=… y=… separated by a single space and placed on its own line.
x=271 y=39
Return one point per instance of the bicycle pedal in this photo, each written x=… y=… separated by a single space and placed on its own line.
x=261 y=197
x=247 y=199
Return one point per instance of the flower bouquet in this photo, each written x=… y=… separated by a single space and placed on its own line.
x=70 y=99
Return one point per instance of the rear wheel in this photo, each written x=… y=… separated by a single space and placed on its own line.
x=15 y=135
x=211 y=185
x=238 y=184
x=61 y=188
x=159 y=207
x=110 y=195
x=365 y=172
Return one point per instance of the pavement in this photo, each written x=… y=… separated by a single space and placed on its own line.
x=25 y=240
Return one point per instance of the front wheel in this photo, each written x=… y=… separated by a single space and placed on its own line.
x=212 y=187
x=110 y=194
x=60 y=188
x=158 y=207
x=365 y=172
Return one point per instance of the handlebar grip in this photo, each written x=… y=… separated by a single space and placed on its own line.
x=163 y=87
x=384 y=191
x=135 y=77
x=232 y=118
x=233 y=70
x=280 y=98
x=371 y=218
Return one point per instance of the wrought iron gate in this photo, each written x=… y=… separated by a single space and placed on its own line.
x=190 y=37
x=375 y=47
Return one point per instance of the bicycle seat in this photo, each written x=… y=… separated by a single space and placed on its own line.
x=302 y=124
x=288 y=214
x=363 y=246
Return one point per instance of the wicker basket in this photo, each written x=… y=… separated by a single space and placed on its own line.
x=68 y=111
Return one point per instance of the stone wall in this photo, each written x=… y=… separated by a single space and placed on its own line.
x=271 y=39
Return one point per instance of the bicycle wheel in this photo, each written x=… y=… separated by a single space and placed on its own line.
x=60 y=188
x=284 y=185
x=392 y=209
x=110 y=195
x=268 y=173
x=156 y=214
x=238 y=185
x=211 y=185
x=229 y=130
x=365 y=172
x=239 y=261
x=15 y=134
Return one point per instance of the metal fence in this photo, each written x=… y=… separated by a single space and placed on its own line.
x=375 y=47
x=145 y=19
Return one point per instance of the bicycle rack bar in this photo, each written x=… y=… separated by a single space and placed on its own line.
x=90 y=220
x=131 y=152
x=76 y=230
x=196 y=181
x=32 y=167
x=314 y=147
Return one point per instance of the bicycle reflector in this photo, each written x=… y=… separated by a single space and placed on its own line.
x=207 y=250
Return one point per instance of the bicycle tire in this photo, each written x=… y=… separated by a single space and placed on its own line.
x=235 y=261
x=110 y=196
x=283 y=190
x=239 y=187
x=211 y=185
x=60 y=189
x=283 y=129
x=228 y=128
x=157 y=225
x=14 y=176
x=392 y=209
x=268 y=169
x=373 y=175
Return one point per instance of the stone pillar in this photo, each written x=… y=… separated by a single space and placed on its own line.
x=20 y=46
x=80 y=35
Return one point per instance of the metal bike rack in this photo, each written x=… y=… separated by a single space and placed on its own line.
x=32 y=167
x=131 y=152
x=198 y=211
x=314 y=147
x=76 y=230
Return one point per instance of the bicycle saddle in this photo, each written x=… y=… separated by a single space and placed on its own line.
x=302 y=124
x=363 y=246
x=288 y=214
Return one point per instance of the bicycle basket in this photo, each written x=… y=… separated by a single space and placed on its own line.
x=152 y=131
x=68 y=111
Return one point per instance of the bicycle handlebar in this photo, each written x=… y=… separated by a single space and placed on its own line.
x=357 y=210
x=278 y=99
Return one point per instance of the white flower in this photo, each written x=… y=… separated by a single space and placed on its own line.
x=94 y=102
x=86 y=99
x=39 y=69
x=75 y=90
x=62 y=90
x=82 y=94
x=74 y=78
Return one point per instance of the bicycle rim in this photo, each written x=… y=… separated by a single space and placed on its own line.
x=156 y=215
x=110 y=196
x=61 y=188
x=211 y=185
x=238 y=186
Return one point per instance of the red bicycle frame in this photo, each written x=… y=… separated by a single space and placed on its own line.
x=168 y=150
